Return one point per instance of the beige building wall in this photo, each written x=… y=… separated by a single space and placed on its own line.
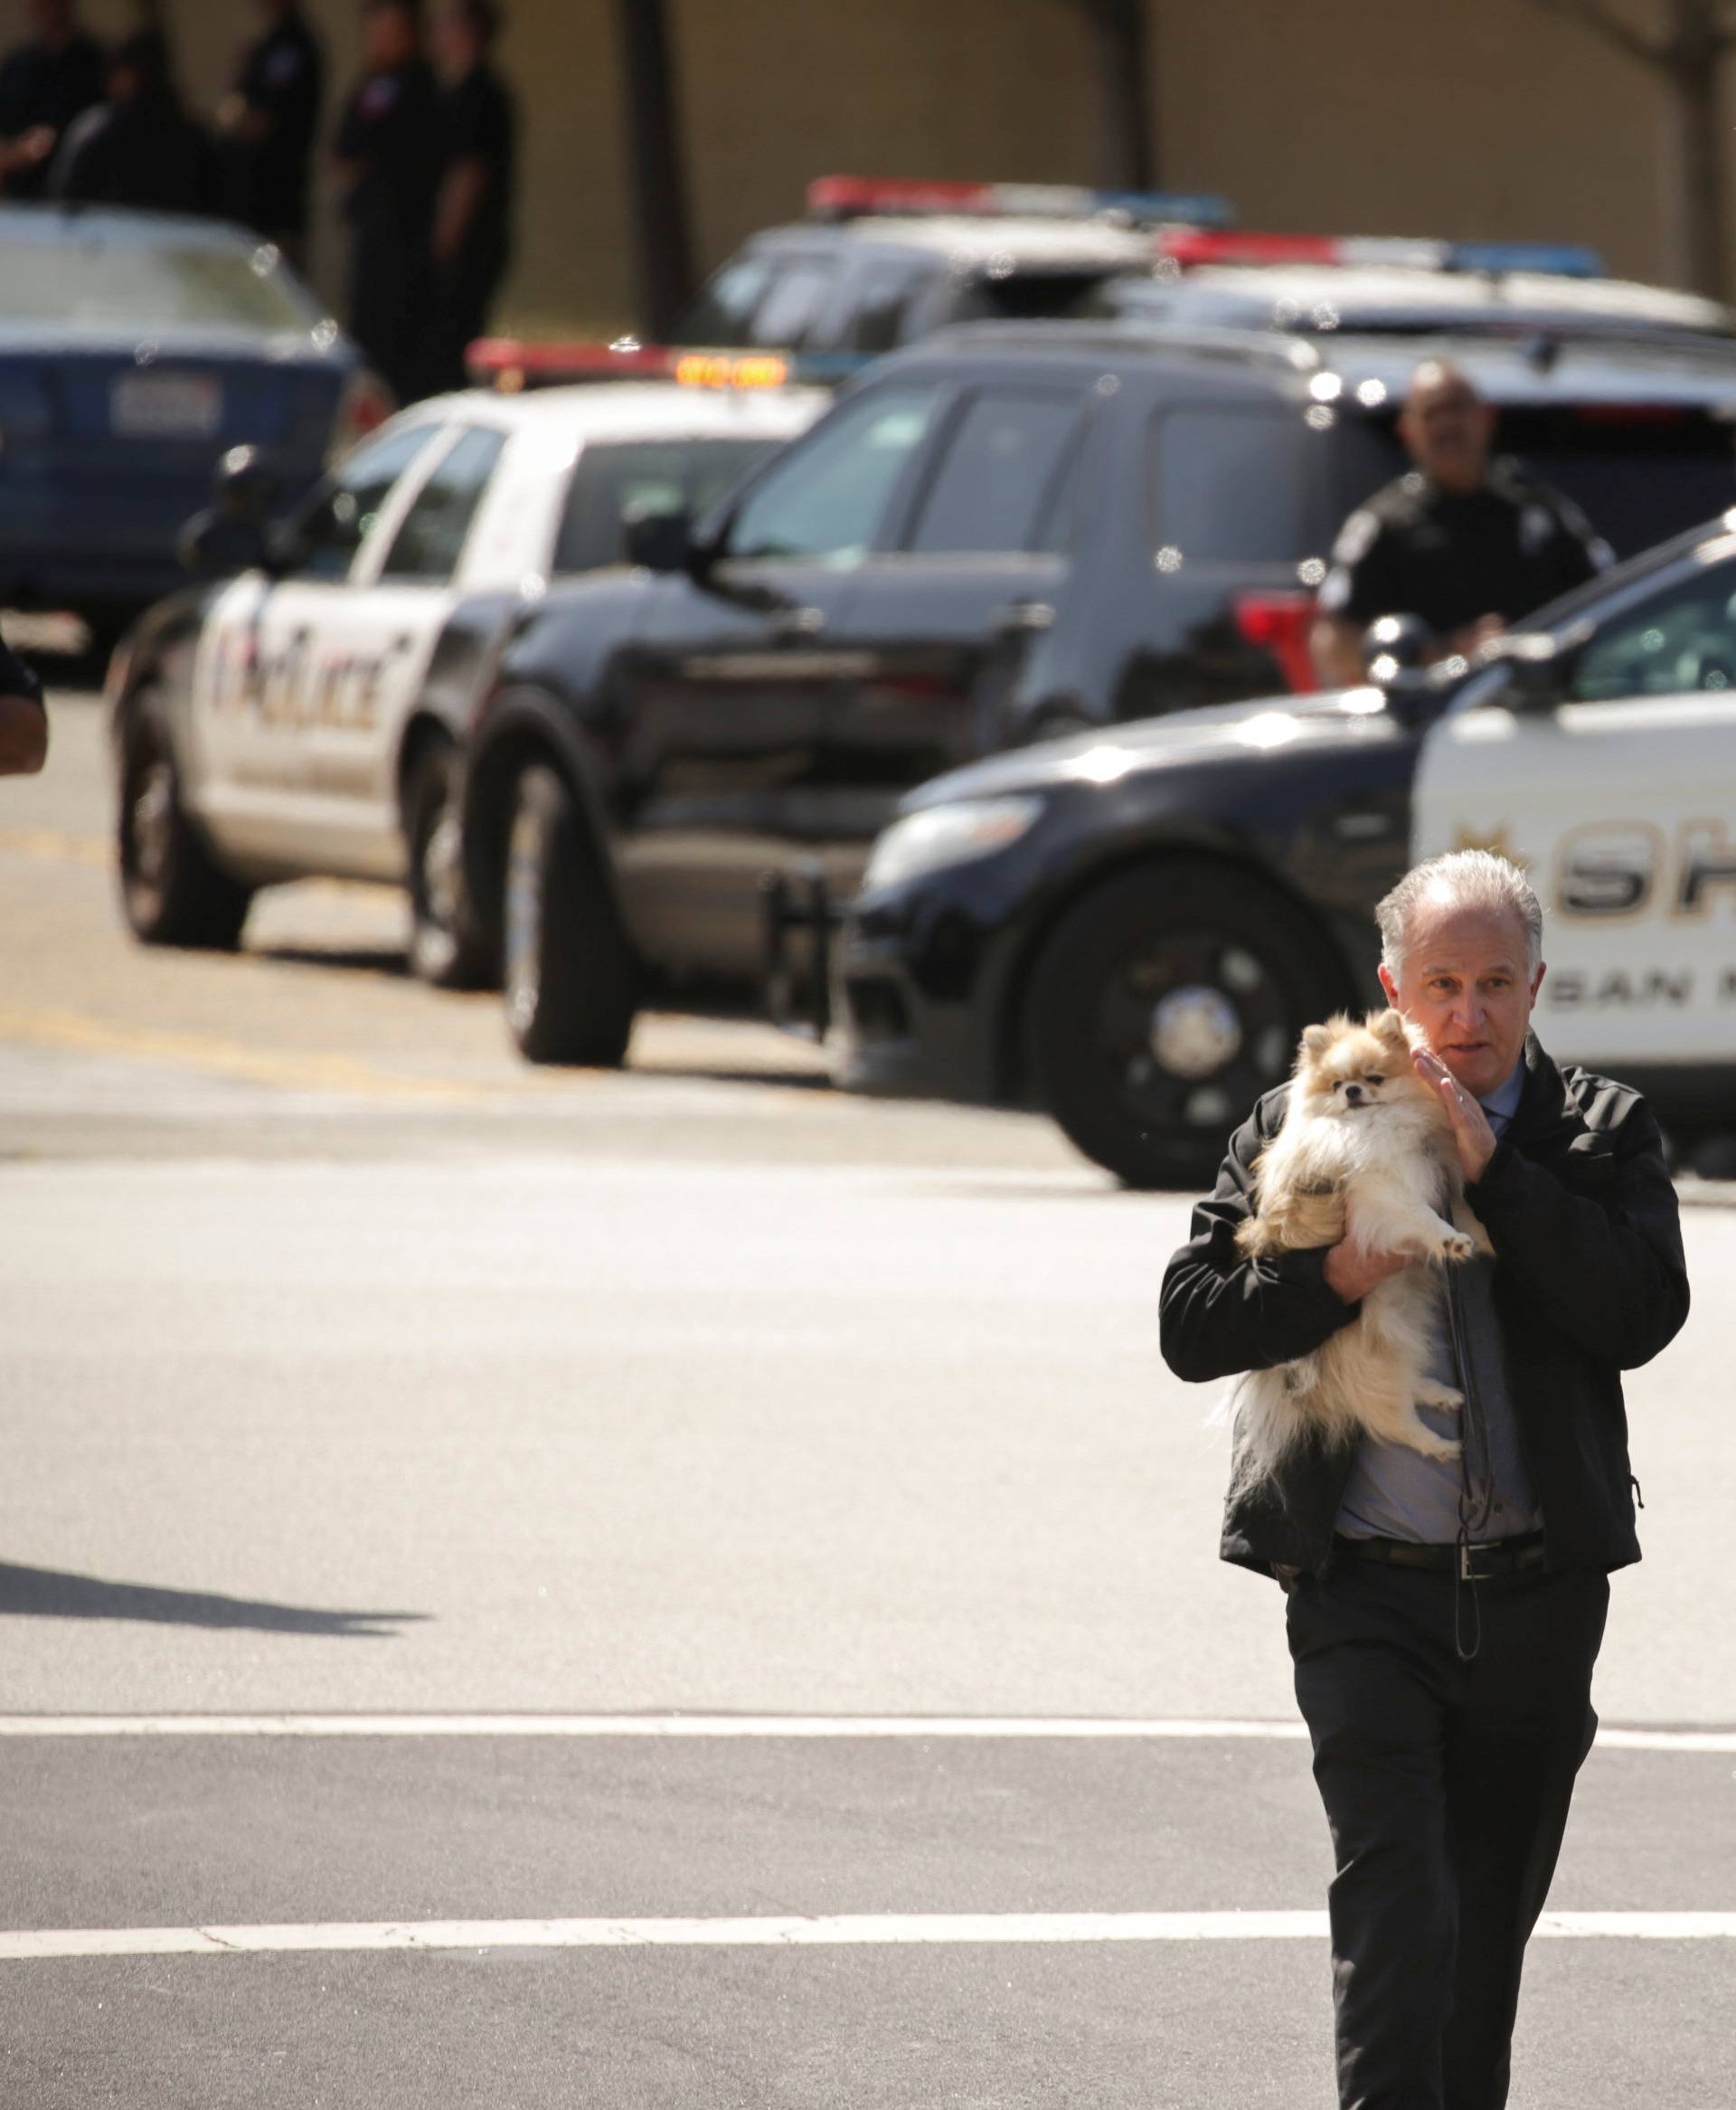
x=1359 y=115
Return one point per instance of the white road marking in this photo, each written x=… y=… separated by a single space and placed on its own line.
x=859 y=1929
x=981 y=1727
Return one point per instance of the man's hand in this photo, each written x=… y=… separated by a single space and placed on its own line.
x=1351 y=1274
x=1463 y=642
x=1471 y=1130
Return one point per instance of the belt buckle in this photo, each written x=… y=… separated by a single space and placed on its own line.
x=1468 y=1570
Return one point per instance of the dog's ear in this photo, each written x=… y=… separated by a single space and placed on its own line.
x=1315 y=1041
x=1388 y=1025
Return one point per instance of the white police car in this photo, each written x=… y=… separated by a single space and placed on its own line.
x=304 y=717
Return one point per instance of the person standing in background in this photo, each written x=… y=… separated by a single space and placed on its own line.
x=45 y=86
x=140 y=147
x=472 y=240
x=268 y=121
x=387 y=157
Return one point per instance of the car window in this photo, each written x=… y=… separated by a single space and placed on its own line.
x=793 y=302
x=723 y=313
x=884 y=295
x=430 y=538
x=342 y=513
x=828 y=499
x=1243 y=487
x=999 y=471
x=615 y=484
x=1680 y=641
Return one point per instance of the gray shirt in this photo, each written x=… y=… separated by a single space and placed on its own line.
x=1394 y=1491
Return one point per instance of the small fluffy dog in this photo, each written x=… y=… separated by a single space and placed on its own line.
x=1365 y=1153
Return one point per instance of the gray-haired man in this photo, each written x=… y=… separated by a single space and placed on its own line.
x=1444 y=1619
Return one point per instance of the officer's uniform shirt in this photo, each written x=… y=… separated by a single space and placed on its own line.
x=478 y=123
x=147 y=153
x=388 y=132
x=40 y=87
x=1451 y=558
x=1394 y=1491
x=280 y=77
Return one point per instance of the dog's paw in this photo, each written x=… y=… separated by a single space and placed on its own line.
x=1438 y=1447
x=1444 y=1396
x=1455 y=1246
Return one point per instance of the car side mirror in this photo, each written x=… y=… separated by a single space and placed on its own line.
x=215 y=546
x=1395 y=646
x=659 y=542
x=246 y=486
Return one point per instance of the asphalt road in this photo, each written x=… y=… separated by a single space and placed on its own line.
x=708 y=1588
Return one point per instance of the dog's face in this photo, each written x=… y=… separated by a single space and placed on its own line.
x=1343 y=1069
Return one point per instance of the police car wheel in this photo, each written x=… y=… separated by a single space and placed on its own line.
x=1163 y=1004
x=567 y=968
x=171 y=889
x=445 y=949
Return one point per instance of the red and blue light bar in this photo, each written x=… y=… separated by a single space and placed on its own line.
x=851 y=197
x=1189 y=246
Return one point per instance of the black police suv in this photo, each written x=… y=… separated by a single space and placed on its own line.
x=1131 y=928
x=1000 y=536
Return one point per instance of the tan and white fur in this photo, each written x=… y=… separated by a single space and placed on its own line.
x=1366 y=1154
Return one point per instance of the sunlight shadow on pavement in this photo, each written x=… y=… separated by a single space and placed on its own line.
x=47 y=1594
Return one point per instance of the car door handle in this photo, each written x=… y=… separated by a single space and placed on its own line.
x=793 y=624
x=1021 y=618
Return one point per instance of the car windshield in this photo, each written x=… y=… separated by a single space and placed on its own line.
x=89 y=279
x=616 y=483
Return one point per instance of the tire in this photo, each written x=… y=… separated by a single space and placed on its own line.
x=172 y=890
x=1165 y=1002
x=446 y=948
x=567 y=969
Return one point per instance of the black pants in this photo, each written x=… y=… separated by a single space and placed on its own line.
x=1446 y=1787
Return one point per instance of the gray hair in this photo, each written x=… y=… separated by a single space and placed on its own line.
x=1467 y=879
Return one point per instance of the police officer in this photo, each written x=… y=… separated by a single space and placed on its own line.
x=1465 y=543
x=472 y=237
x=44 y=85
x=389 y=157
x=23 y=722
x=1444 y=1615
x=139 y=147
x=268 y=121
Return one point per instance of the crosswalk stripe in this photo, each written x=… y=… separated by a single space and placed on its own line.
x=837 y=1930
x=982 y=1727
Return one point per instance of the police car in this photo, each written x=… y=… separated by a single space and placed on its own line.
x=999 y=534
x=1132 y=928
x=1314 y=285
x=881 y=262
x=303 y=718
x=136 y=350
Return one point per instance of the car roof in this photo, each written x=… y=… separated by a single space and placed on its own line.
x=52 y=225
x=633 y=410
x=1688 y=372
x=974 y=239
x=1395 y=295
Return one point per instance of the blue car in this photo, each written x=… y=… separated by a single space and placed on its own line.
x=136 y=350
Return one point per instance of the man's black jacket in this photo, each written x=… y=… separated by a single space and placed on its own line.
x=1589 y=1280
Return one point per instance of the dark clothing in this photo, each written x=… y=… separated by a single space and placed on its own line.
x=1589 y=1280
x=1414 y=549
x=15 y=678
x=280 y=78
x=1447 y=1786
x=40 y=87
x=388 y=135
x=146 y=152
x=478 y=123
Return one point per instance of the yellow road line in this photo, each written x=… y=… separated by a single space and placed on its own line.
x=54 y=845
x=72 y=1031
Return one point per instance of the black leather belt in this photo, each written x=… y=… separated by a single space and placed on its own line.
x=1475 y=1563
